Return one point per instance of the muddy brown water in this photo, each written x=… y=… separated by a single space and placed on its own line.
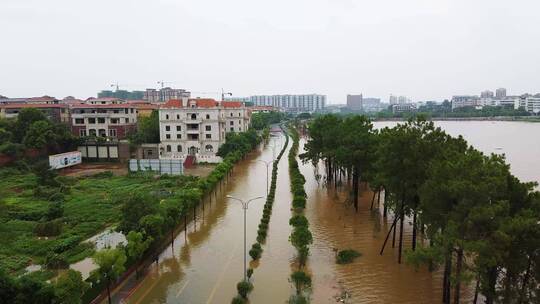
x=204 y=265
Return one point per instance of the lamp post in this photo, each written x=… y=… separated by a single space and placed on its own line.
x=245 y=207
x=267 y=163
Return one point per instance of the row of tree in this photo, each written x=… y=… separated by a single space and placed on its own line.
x=301 y=237
x=32 y=129
x=244 y=287
x=147 y=220
x=481 y=221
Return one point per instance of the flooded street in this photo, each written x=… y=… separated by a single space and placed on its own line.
x=204 y=265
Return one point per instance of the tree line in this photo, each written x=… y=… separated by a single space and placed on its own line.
x=481 y=222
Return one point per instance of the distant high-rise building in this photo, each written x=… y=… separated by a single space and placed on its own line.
x=393 y=100
x=487 y=94
x=354 y=102
x=289 y=103
x=371 y=104
x=500 y=93
x=403 y=100
x=165 y=94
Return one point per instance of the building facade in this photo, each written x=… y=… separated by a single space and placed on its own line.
x=114 y=120
x=500 y=93
x=354 y=102
x=289 y=103
x=54 y=112
x=165 y=94
x=198 y=127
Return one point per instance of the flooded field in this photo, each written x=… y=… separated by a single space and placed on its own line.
x=204 y=264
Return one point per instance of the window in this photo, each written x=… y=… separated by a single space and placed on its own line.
x=102 y=133
x=231 y=123
x=193 y=116
x=79 y=121
x=91 y=120
x=239 y=129
x=167 y=128
x=112 y=132
x=209 y=148
x=208 y=136
x=126 y=111
x=177 y=116
x=238 y=114
x=115 y=111
x=93 y=132
x=208 y=128
x=127 y=120
x=231 y=114
x=82 y=132
x=101 y=120
x=168 y=148
x=207 y=116
x=179 y=148
x=232 y=129
x=239 y=122
x=178 y=136
x=178 y=128
x=168 y=136
x=115 y=120
x=167 y=116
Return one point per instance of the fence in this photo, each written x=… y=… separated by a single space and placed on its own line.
x=163 y=166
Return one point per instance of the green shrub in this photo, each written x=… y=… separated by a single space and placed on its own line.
x=249 y=272
x=347 y=256
x=49 y=228
x=299 y=220
x=298 y=299
x=244 y=288
x=238 y=300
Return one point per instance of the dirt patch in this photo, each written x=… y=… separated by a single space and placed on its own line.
x=200 y=170
x=89 y=169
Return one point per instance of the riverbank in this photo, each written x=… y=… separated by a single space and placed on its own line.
x=496 y=118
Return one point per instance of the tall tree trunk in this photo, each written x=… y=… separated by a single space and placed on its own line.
x=394 y=233
x=379 y=199
x=525 y=282
x=489 y=290
x=372 y=200
x=355 y=189
x=109 y=290
x=401 y=230
x=414 y=232
x=476 y=289
x=388 y=234
x=459 y=266
x=446 y=277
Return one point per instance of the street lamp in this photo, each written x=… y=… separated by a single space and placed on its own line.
x=267 y=163
x=245 y=207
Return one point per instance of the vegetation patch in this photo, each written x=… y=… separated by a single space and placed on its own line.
x=347 y=256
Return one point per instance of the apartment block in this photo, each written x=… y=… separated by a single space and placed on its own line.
x=113 y=119
x=198 y=127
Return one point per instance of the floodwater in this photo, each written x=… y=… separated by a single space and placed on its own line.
x=204 y=264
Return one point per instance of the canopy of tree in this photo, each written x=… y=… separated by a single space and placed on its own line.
x=481 y=221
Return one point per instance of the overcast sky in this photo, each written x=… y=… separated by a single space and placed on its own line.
x=424 y=49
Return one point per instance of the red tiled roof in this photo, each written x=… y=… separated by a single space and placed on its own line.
x=146 y=106
x=172 y=103
x=205 y=102
x=231 y=104
x=102 y=106
x=104 y=99
x=33 y=105
x=137 y=101
x=41 y=99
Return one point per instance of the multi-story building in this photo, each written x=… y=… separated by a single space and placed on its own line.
x=487 y=94
x=460 y=101
x=54 y=112
x=165 y=94
x=198 y=127
x=354 y=102
x=392 y=100
x=403 y=107
x=32 y=100
x=113 y=119
x=370 y=104
x=531 y=104
x=500 y=93
x=288 y=103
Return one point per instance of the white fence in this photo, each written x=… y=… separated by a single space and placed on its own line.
x=163 y=166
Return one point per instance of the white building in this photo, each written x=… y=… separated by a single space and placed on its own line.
x=289 y=103
x=198 y=127
x=531 y=104
x=500 y=93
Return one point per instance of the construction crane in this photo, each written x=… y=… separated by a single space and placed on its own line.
x=223 y=93
x=162 y=83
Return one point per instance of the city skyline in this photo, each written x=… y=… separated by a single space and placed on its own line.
x=425 y=50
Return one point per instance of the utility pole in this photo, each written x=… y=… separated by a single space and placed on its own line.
x=267 y=163
x=244 y=207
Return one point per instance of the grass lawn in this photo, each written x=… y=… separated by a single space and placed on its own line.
x=91 y=205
